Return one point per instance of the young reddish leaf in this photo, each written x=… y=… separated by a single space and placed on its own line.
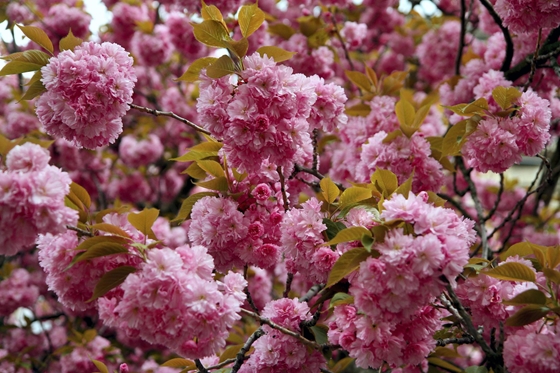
x=250 y=18
x=99 y=365
x=512 y=271
x=230 y=352
x=211 y=33
x=38 y=36
x=346 y=264
x=179 y=363
x=92 y=241
x=110 y=228
x=531 y=296
x=221 y=67
x=211 y=12
x=144 y=220
x=353 y=195
x=350 y=234
x=527 y=315
x=69 y=42
x=111 y=280
x=193 y=72
x=278 y=54
x=329 y=190
x=101 y=249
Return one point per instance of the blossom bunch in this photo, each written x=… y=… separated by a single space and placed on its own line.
x=392 y=292
x=31 y=198
x=88 y=92
x=186 y=310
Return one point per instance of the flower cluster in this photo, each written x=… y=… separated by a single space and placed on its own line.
x=173 y=300
x=17 y=291
x=533 y=349
x=265 y=116
x=522 y=16
x=301 y=240
x=276 y=352
x=31 y=198
x=391 y=292
x=498 y=143
x=88 y=92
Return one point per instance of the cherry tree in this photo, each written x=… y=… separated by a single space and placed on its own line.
x=293 y=186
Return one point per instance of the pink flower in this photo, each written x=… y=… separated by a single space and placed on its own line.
x=522 y=16
x=88 y=92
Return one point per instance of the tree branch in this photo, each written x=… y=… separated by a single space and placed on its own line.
x=169 y=114
x=240 y=357
x=509 y=43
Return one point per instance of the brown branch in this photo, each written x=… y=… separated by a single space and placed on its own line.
x=459 y=56
x=240 y=357
x=169 y=114
x=509 y=43
x=79 y=230
x=533 y=62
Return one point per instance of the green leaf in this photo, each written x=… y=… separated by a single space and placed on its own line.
x=333 y=228
x=238 y=49
x=89 y=335
x=211 y=33
x=221 y=67
x=276 y=53
x=405 y=188
x=350 y=234
x=353 y=195
x=111 y=280
x=505 y=96
x=101 y=249
x=340 y=299
x=360 y=79
x=512 y=271
x=476 y=369
x=479 y=106
x=99 y=365
x=194 y=155
x=18 y=67
x=230 y=352
x=208 y=146
x=553 y=256
x=282 y=30
x=188 y=203
x=531 y=296
x=92 y=241
x=195 y=171
x=110 y=228
x=358 y=110
x=250 y=18
x=38 y=36
x=69 y=42
x=212 y=167
x=346 y=264
x=34 y=90
x=179 y=363
x=193 y=72
x=420 y=116
x=220 y=184
x=405 y=114
x=329 y=190
x=368 y=241
x=436 y=361
x=79 y=196
x=456 y=137
x=521 y=249
x=552 y=275
x=144 y=220
x=385 y=181
x=320 y=333
x=527 y=315
x=342 y=364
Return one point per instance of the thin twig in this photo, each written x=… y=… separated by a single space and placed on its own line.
x=299 y=337
x=312 y=292
x=170 y=115
x=498 y=199
x=533 y=63
x=240 y=357
x=509 y=42
x=79 y=230
x=339 y=37
x=222 y=364
x=283 y=188
x=288 y=285
x=467 y=339
x=248 y=293
x=455 y=204
x=459 y=56
x=201 y=368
